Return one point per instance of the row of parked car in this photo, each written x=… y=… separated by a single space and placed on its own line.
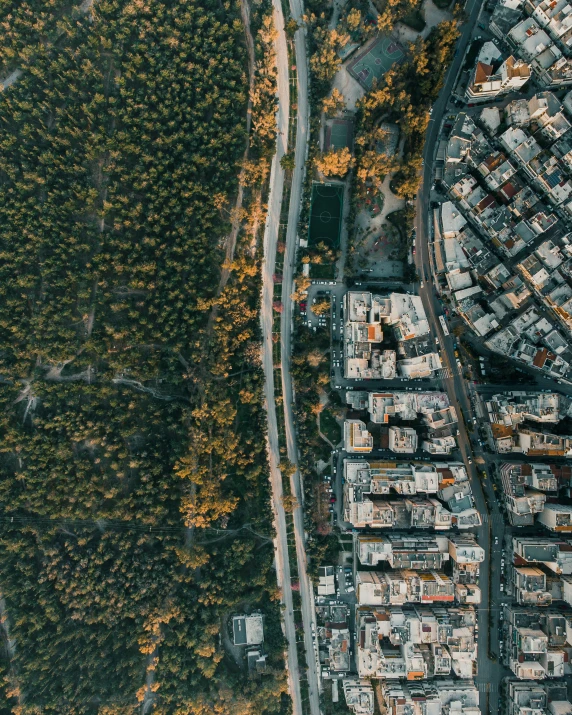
x=345 y=578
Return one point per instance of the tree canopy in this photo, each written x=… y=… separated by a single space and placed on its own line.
x=133 y=483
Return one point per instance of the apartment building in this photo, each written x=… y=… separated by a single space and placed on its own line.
x=530 y=586
x=528 y=697
x=449 y=697
x=415 y=642
x=524 y=490
x=542 y=477
x=359 y=696
x=492 y=77
x=509 y=414
x=366 y=316
x=554 y=554
x=365 y=483
x=432 y=408
x=419 y=552
x=396 y=588
x=357 y=439
x=466 y=556
x=557 y=518
x=514 y=407
x=405 y=478
x=520 y=340
x=538 y=645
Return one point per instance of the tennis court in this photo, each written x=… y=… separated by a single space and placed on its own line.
x=339 y=134
x=326 y=214
x=375 y=61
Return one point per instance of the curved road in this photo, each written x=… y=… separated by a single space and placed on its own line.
x=488 y=676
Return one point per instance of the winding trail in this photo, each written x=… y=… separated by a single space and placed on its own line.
x=235 y=226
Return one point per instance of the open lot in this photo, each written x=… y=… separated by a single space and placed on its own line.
x=375 y=61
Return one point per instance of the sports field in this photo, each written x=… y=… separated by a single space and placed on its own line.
x=326 y=214
x=339 y=134
x=375 y=61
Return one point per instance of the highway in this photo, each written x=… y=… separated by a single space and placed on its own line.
x=267 y=316
x=300 y=154
x=489 y=674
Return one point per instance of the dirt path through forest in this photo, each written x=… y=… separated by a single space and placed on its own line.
x=235 y=226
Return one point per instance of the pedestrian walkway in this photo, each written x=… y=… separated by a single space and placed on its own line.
x=494 y=519
x=445 y=372
x=488 y=687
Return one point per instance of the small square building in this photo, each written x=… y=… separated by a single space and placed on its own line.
x=248 y=630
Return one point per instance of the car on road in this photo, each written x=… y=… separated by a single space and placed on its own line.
x=333 y=499
x=496 y=540
x=469 y=460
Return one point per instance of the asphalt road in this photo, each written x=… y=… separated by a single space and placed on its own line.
x=300 y=154
x=488 y=677
x=267 y=315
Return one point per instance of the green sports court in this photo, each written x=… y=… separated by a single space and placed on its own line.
x=339 y=134
x=326 y=214
x=374 y=62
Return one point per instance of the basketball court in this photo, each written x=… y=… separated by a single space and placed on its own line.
x=375 y=61
x=326 y=214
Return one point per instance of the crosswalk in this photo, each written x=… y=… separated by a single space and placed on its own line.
x=488 y=687
x=494 y=519
x=446 y=372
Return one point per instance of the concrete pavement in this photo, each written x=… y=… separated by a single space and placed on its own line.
x=267 y=316
x=300 y=154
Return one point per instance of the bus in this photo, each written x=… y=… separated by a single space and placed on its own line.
x=444 y=325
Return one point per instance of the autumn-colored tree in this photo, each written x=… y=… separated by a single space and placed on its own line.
x=315 y=357
x=302 y=283
x=353 y=19
x=335 y=162
x=325 y=62
x=333 y=103
x=321 y=307
x=373 y=166
x=291 y=27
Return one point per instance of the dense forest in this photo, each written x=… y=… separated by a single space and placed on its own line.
x=134 y=499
